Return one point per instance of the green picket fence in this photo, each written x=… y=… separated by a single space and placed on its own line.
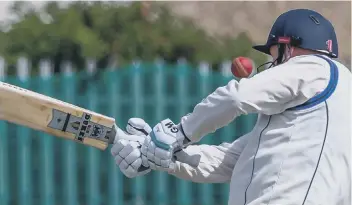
x=36 y=168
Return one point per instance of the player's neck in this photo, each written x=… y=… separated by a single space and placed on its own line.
x=302 y=52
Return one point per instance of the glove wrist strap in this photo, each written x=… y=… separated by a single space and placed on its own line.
x=186 y=140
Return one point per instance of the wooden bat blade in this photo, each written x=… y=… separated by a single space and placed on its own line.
x=55 y=117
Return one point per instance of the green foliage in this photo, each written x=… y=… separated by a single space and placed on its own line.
x=106 y=31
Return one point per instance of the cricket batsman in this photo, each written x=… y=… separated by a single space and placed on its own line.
x=298 y=153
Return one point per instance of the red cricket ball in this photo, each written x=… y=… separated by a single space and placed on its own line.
x=242 y=67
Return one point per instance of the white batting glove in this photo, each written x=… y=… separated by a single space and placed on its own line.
x=161 y=144
x=126 y=150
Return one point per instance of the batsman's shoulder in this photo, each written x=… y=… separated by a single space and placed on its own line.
x=304 y=66
x=308 y=61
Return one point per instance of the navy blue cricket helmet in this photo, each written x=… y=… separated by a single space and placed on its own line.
x=302 y=28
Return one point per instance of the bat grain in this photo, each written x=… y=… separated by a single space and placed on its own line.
x=34 y=110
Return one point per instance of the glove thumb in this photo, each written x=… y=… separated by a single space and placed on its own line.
x=137 y=126
x=120 y=134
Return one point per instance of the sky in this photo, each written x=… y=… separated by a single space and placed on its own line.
x=5 y=8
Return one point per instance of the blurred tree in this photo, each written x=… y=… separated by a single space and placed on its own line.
x=112 y=32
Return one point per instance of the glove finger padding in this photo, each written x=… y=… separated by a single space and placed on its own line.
x=123 y=165
x=127 y=150
x=135 y=169
x=129 y=161
x=133 y=157
x=118 y=146
x=145 y=161
x=118 y=159
x=137 y=126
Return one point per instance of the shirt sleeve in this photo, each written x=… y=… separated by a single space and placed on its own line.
x=216 y=162
x=269 y=92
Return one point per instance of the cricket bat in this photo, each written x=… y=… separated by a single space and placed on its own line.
x=57 y=118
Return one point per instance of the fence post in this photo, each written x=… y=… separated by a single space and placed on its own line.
x=24 y=167
x=93 y=186
x=46 y=141
x=69 y=153
x=139 y=183
x=184 y=188
x=161 y=179
x=207 y=194
x=228 y=131
x=115 y=182
x=225 y=69
x=4 y=163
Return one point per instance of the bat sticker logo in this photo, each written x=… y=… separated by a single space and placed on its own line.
x=84 y=126
x=97 y=131
x=75 y=125
x=81 y=127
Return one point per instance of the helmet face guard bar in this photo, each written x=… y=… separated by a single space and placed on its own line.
x=282 y=42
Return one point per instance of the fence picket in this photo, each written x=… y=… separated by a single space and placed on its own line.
x=4 y=151
x=161 y=193
x=93 y=154
x=23 y=138
x=139 y=184
x=184 y=188
x=115 y=180
x=46 y=141
x=69 y=169
x=206 y=195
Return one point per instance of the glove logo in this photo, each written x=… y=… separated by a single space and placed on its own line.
x=174 y=130
x=172 y=127
x=157 y=129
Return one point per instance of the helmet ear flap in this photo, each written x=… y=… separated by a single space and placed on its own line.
x=281 y=52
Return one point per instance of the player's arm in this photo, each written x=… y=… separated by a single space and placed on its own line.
x=216 y=162
x=269 y=92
